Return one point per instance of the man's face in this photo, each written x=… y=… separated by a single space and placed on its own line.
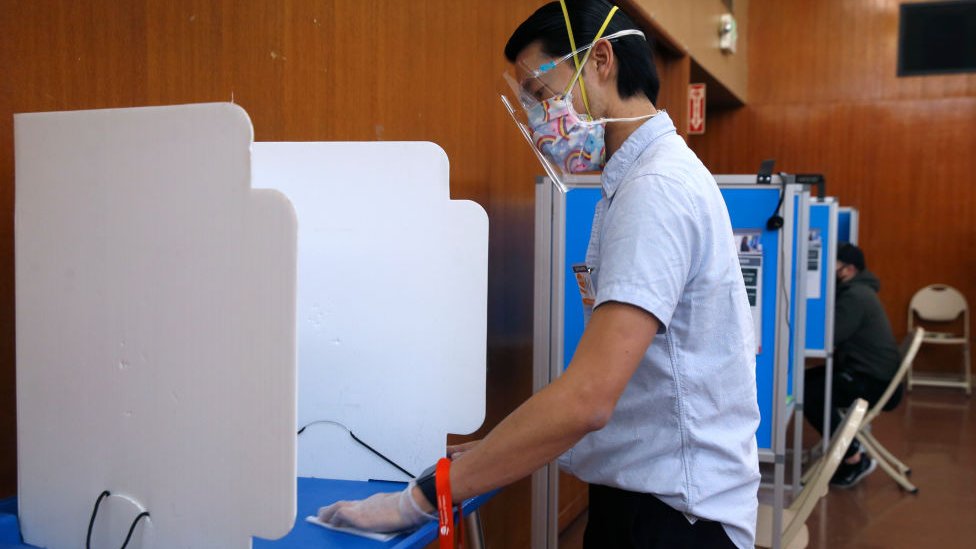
x=845 y=271
x=550 y=83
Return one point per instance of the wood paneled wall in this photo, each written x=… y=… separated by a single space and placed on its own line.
x=824 y=97
x=693 y=24
x=303 y=70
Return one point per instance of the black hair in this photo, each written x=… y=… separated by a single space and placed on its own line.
x=636 y=72
x=852 y=255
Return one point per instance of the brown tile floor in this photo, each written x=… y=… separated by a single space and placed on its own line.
x=932 y=431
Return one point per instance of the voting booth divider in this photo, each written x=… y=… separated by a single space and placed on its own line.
x=216 y=337
x=773 y=261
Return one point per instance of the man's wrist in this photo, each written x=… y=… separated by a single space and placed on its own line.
x=421 y=500
x=427 y=486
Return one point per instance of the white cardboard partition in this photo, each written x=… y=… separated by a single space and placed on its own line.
x=392 y=303
x=155 y=330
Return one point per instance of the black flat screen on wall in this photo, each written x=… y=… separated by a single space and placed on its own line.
x=937 y=38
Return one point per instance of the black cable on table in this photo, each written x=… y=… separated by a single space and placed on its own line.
x=360 y=442
x=384 y=458
x=133 y=527
x=91 y=522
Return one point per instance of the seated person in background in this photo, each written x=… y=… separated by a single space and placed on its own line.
x=865 y=358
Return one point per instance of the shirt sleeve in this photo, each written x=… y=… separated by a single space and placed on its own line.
x=649 y=246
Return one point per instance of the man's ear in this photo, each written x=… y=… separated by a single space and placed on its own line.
x=602 y=60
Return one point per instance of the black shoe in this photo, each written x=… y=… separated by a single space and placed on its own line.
x=847 y=476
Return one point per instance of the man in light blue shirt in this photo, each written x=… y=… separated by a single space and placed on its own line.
x=684 y=427
x=657 y=409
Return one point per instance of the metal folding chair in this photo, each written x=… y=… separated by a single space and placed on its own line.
x=941 y=304
x=794 y=534
x=891 y=465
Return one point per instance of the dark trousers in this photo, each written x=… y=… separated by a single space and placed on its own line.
x=619 y=519
x=846 y=388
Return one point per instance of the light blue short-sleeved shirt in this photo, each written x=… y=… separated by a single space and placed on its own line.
x=684 y=428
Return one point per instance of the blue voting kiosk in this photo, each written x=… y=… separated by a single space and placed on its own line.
x=781 y=260
x=773 y=263
x=820 y=291
x=822 y=253
x=847 y=224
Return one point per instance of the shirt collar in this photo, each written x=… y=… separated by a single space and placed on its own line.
x=620 y=163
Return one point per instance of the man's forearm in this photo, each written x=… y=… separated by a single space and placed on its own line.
x=554 y=419
x=534 y=434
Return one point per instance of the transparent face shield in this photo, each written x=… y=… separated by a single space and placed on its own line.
x=540 y=100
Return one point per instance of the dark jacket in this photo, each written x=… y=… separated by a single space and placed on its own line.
x=862 y=334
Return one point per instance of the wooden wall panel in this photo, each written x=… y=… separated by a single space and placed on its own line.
x=825 y=98
x=304 y=70
x=675 y=75
x=671 y=60
x=834 y=50
x=694 y=25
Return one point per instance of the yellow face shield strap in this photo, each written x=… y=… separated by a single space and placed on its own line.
x=572 y=44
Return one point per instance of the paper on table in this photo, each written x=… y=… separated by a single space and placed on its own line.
x=354 y=531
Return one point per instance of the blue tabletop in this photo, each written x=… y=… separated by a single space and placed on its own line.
x=9 y=525
x=312 y=494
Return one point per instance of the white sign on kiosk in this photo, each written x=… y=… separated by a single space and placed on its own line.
x=815 y=247
x=751 y=261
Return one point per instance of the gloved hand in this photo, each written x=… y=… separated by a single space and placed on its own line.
x=386 y=512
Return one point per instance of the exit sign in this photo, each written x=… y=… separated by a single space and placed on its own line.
x=696 y=109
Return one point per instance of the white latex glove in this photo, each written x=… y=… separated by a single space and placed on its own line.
x=386 y=512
